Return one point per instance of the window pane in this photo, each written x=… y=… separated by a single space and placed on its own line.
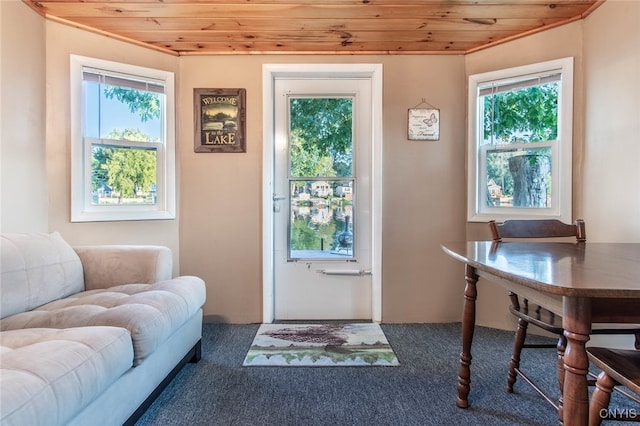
x=521 y=114
x=521 y=162
x=321 y=219
x=123 y=176
x=123 y=141
x=116 y=112
x=519 y=178
x=321 y=137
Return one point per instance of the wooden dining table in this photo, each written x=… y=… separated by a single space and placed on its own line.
x=586 y=283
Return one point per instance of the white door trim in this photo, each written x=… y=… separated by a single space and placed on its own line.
x=269 y=73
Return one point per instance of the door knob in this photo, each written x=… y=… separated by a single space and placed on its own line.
x=276 y=207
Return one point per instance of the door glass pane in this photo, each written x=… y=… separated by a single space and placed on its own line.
x=321 y=224
x=320 y=158
x=321 y=137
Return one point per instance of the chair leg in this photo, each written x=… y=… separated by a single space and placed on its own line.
x=521 y=334
x=560 y=348
x=600 y=399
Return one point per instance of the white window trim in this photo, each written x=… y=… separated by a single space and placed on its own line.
x=562 y=152
x=81 y=208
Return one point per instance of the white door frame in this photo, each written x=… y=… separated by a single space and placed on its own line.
x=269 y=73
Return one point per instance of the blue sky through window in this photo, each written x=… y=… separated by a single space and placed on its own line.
x=104 y=115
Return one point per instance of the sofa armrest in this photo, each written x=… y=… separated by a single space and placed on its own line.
x=111 y=265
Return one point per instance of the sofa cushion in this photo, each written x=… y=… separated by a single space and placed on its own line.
x=36 y=269
x=151 y=312
x=47 y=375
x=110 y=265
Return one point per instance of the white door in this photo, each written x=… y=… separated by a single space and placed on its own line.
x=322 y=198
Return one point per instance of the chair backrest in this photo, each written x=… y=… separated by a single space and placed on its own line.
x=542 y=228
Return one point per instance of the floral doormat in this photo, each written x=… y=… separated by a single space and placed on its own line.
x=320 y=345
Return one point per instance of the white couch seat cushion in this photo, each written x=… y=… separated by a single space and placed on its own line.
x=48 y=375
x=151 y=312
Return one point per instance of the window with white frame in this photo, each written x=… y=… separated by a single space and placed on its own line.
x=520 y=142
x=123 y=143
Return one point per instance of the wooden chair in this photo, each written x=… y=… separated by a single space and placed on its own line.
x=529 y=313
x=620 y=367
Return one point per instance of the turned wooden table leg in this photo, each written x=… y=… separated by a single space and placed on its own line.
x=575 y=395
x=561 y=347
x=468 y=325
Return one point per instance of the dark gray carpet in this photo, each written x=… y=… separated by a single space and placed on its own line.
x=422 y=391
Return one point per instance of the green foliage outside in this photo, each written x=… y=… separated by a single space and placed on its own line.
x=322 y=136
x=129 y=172
x=321 y=146
x=146 y=104
x=526 y=115
x=308 y=160
x=305 y=236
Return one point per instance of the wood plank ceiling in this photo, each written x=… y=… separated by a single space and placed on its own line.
x=190 y=27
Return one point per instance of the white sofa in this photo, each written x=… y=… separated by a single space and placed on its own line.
x=90 y=335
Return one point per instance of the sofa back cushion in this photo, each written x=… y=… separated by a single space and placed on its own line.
x=36 y=269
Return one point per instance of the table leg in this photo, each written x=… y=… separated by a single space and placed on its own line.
x=561 y=347
x=468 y=326
x=575 y=395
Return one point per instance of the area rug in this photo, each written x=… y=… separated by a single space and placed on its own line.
x=320 y=345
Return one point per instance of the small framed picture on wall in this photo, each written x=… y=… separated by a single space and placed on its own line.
x=424 y=124
x=219 y=120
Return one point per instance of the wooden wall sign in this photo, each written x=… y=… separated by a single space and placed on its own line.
x=219 y=120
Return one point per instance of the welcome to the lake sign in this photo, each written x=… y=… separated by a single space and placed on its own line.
x=219 y=120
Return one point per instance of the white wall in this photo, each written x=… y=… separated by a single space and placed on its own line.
x=493 y=299
x=61 y=41
x=23 y=180
x=218 y=231
x=423 y=195
x=424 y=186
x=611 y=159
x=606 y=176
x=611 y=170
